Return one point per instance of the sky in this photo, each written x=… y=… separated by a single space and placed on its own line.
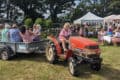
x=77 y=2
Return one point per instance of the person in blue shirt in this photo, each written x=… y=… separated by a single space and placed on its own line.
x=14 y=34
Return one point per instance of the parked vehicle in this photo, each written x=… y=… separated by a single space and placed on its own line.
x=79 y=50
x=8 y=49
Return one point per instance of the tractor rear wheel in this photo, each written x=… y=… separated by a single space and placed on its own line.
x=51 y=53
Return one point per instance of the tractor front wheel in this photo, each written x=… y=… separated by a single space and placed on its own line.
x=73 y=67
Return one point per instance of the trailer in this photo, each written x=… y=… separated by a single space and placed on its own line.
x=10 y=49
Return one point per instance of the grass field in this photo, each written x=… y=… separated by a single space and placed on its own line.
x=35 y=67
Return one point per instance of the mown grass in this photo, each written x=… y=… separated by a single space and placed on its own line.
x=35 y=67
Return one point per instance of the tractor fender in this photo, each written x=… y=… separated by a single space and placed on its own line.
x=56 y=44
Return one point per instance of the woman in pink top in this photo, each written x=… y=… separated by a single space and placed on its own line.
x=64 y=35
x=26 y=35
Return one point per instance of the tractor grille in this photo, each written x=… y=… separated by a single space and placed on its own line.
x=93 y=56
x=93 y=47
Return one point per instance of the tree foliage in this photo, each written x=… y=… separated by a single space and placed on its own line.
x=57 y=6
x=37 y=8
x=48 y=23
x=115 y=6
x=39 y=21
x=28 y=22
x=99 y=7
x=31 y=8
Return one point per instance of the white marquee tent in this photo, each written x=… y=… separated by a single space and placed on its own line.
x=112 y=18
x=89 y=18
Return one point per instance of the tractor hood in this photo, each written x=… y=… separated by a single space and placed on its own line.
x=81 y=42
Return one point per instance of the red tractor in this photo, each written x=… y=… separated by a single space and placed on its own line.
x=79 y=50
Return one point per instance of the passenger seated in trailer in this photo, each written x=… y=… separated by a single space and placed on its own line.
x=26 y=34
x=64 y=35
x=36 y=32
x=14 y=34
x=4 y=33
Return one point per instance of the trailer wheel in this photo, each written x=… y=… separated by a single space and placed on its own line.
x=5 y=55
x=96 y=66
x=51 y=53
x=73 y=67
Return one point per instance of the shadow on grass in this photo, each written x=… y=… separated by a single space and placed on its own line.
x=107 y=72
x=30 y=57
x=36 y=57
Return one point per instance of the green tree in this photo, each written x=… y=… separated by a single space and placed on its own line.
x=31 y=8
x=48 y=23
x=39 y=21
x=56 y=7
x=28 y=22
x=1 y=2
x=81 y=9
x=115 y=6
x=98 y=7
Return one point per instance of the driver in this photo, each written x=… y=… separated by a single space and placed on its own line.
x=64 y=35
